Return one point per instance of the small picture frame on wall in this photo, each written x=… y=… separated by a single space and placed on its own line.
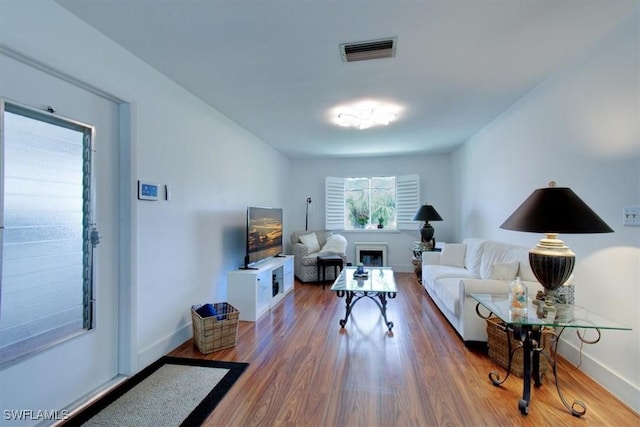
x=147 y=191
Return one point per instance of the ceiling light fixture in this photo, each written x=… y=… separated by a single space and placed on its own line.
x=364 y=115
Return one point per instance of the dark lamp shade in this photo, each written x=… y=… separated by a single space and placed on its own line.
x=555 y=210
x=427 y=213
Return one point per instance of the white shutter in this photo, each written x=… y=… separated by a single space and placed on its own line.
x=407 y=201
x=334 y=203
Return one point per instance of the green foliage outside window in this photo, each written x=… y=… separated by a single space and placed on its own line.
x=358 y=208
x=384 y=210
x=370 y=202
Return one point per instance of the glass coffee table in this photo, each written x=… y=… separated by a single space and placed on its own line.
x=527 y=329
x=379 y=285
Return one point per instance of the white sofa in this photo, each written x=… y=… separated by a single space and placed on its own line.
x=473 y=266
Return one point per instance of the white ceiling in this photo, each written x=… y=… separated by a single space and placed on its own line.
x=274 y=66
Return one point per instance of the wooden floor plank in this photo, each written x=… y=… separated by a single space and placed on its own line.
x=307 y=371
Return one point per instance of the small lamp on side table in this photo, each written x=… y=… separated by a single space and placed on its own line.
x=427 y=213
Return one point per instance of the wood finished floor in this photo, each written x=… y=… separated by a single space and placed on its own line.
x=306 y=371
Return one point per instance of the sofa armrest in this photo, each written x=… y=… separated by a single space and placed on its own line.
x=483 y=286
x=299 y=250
x=472 y=326
x=492 y=286
x=430 y=258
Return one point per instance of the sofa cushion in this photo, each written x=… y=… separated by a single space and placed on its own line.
x=310 y=241
x=453 y=254
x=498 y=252
x=525 y=271
x=448 y=291
x=473 y=255
x=336 y=243
x=431 y=273
x=504 y=270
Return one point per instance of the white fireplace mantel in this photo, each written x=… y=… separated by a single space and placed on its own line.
x=375 y=249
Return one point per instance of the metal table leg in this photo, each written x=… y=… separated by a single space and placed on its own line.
x=381 y=302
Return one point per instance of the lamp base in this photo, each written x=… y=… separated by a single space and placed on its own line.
x=551 y=262
x=426 y=234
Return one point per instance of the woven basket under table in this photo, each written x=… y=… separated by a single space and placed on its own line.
x=215 y=332
x=499 y=351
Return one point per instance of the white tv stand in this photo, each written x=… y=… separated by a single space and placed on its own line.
x=251 y=291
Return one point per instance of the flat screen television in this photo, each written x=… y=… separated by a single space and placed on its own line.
x=264 y=234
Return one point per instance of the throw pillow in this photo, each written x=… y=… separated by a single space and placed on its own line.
x=453 y=254
x=504 y=270
x=336 y=243
x=311 y=242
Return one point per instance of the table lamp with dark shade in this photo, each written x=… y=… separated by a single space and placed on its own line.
x=427 y=213
x=554 y=210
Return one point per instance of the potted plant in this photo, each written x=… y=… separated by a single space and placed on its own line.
x=362 y=220
x=384 y=214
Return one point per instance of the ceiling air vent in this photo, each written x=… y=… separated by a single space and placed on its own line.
x=372 y=49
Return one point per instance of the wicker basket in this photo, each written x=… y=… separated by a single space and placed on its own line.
x=499 y=350
x=215 y=332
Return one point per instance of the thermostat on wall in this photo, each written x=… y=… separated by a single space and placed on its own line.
x=147 y=191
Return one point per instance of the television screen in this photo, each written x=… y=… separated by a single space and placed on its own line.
x=264 y=233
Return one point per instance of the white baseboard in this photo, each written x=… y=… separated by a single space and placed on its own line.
x=603 y=375
x=83 y=402
x=160 y=348
x=403 y=268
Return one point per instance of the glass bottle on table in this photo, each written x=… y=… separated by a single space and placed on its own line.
x=518 y=299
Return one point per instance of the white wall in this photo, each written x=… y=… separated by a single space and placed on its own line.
x=581 y=129
x=214 y=171
x=308 y=180
x=182 y=248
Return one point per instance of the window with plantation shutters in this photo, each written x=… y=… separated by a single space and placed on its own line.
x=407 y=201
x=372 y=202
x=47 y=239
x=334 y=203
